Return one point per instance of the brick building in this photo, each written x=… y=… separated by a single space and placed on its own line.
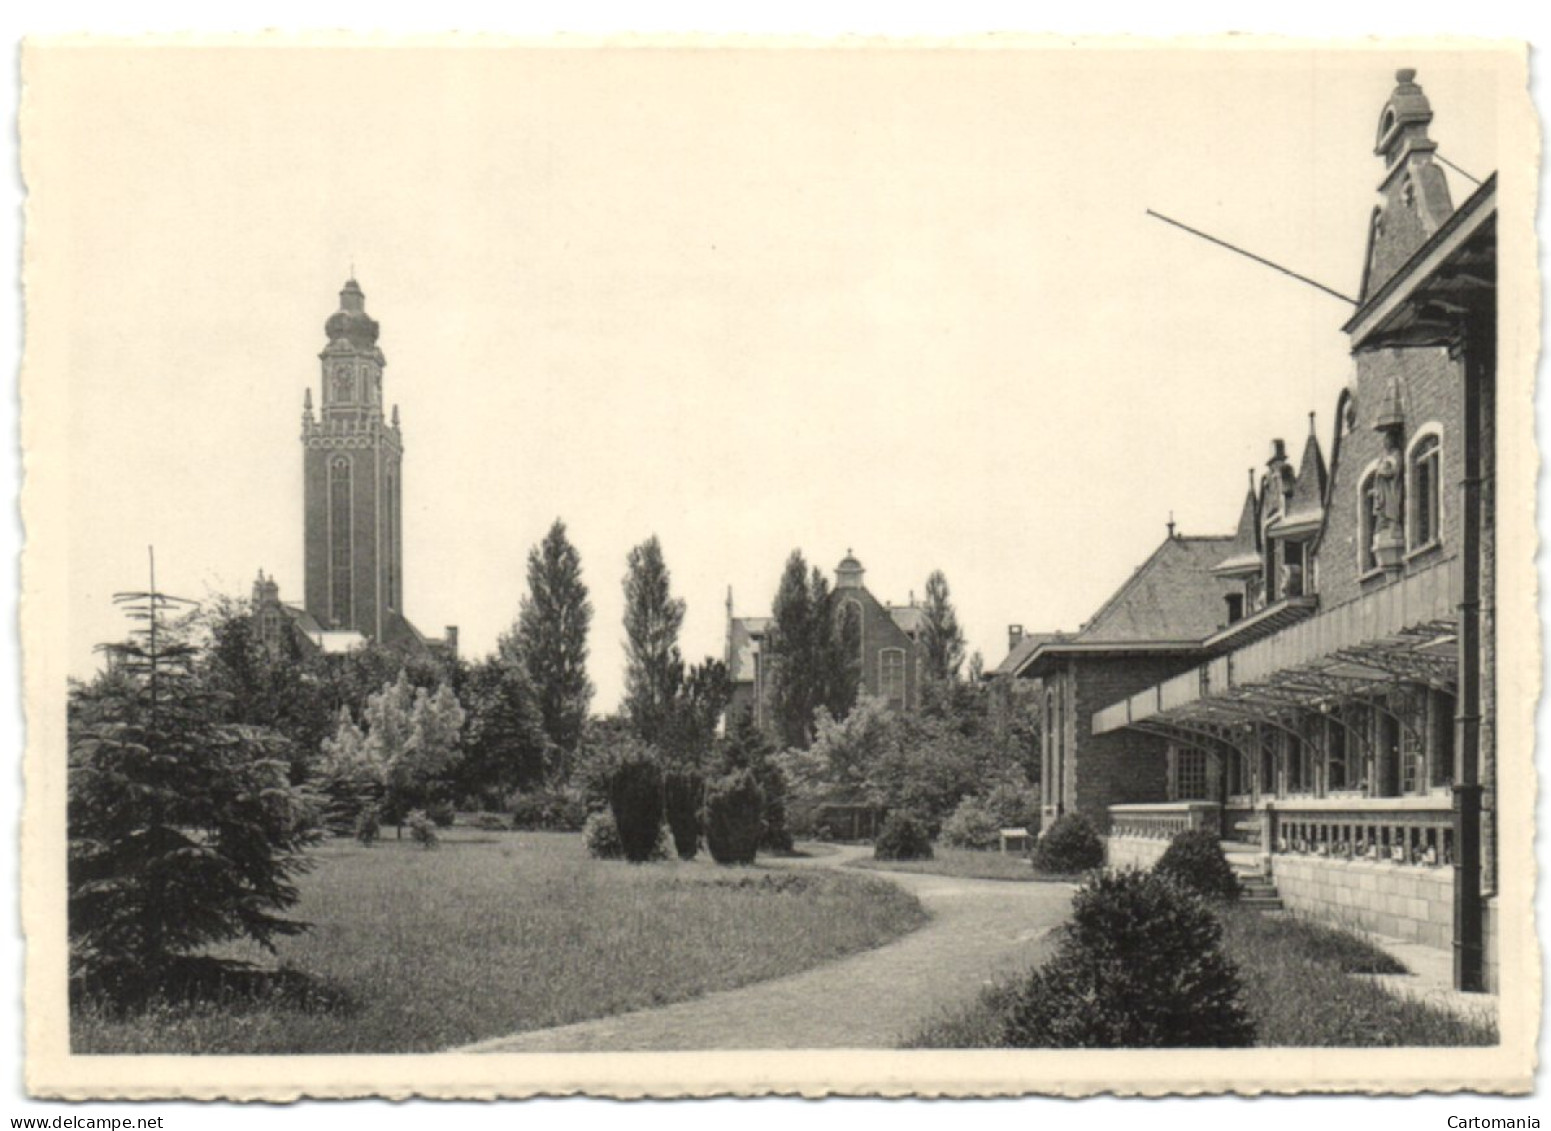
x=891 y=655
x=352 y=504
x=1341 y=730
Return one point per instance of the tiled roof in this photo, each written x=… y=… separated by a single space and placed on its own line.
x=1244 y=554
x=1172 y=596
x=1024 y=649
x=908 y=617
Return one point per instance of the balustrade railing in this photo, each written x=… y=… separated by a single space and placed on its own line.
x=1162 y=821
x=1395 y=835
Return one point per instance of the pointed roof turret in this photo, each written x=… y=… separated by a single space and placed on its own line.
x=1243 y=557
x=1306 y=508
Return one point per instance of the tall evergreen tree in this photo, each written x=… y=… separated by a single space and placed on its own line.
x=815 y=646
x=654 y=668
x=184 y=829
x=940 y=632
x=793 y=676
x=551 y=638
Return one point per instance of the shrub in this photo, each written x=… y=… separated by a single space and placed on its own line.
x=368 y=826
x=601 y=836
x=1070 y=845
x=1013 y=806
x=683 y=793
x=635 y=799
x=421 y=829
x=1194 y=859
x=972 y=825
x=490 y=822
x=1139 y=965
x=551 y=809
x=442 y=814
x=733 y=806
x=903 y=837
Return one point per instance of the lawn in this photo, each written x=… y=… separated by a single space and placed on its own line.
x=496 y=933
x=967 y=863
x=1303 y=983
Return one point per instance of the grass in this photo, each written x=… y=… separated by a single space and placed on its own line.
x=1304 y=984
x=967 y=863
x=497 y=933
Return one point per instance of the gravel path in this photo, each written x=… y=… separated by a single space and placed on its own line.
x=978 y=929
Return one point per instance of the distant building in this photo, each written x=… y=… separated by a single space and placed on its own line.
x=891 y=651
x=353 y=529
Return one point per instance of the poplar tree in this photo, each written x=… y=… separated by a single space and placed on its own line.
x=941 y=635
x=654 y=667
x=550 y=639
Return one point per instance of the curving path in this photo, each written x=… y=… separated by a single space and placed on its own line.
x=978 y=929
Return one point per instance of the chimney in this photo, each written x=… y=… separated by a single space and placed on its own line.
x=1014 y=636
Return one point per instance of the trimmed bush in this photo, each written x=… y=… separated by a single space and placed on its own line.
x=1194 y=859
x=421 y=829
x=971 y=825
x=601 y=836
x=368 y=827
x=903 y=837
x=683 y=794
x=733 y=809
x=635 y=799
x=1139 y=965
x=1071 y=845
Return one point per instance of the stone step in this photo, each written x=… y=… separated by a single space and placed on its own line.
x=1261 y=902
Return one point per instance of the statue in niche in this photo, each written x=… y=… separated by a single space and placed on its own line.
x=1388 y=502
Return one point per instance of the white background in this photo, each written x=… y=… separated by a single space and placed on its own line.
x=1496 y=19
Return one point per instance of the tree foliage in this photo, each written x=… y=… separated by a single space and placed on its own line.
x=813 y=647
x=184 y=829
x=941 y=637
x=654 y=668
x=551 y=638
x=406 y=741
x=505 y=747
x=683 y=796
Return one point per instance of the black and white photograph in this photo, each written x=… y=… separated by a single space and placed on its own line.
x=686 y=567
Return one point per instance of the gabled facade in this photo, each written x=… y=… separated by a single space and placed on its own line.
x=1350 y=737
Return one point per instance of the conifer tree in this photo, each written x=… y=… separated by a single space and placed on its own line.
x=654 y=668
x=941 y=635
x=184 y=830
x=551 y=639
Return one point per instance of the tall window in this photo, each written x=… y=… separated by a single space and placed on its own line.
x=339 y=541
x=393 y=542
x=891 y=676
x=1366 y=559
x=1336 y=776
x=1423 y=494
x=1441 y=728
x=1190 y=774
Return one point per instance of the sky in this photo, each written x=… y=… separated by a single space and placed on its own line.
x=907 y=304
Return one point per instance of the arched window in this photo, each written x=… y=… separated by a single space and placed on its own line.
x=339 y=542
x=891 y=676
x=1423 y=467
x=1367 y=560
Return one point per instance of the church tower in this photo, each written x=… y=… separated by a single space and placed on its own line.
x=353 y=459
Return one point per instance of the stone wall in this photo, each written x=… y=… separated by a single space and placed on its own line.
x=1133 y=851
x=1402 y=901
